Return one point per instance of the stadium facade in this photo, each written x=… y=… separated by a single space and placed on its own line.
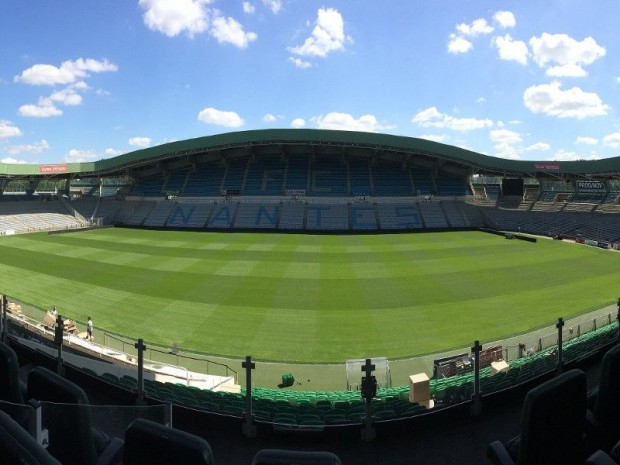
x=318 y=180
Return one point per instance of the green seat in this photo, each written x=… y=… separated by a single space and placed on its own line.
x=284 y=419
x=335 y=418
x=109 y=377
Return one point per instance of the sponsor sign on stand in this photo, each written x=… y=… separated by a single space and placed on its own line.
x=547 y=166
x=590 y=186
x=51 y=169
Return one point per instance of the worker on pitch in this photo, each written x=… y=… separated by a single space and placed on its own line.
x=89 y=329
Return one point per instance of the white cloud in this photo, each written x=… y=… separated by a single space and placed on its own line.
x=298 y=123
x=586 y=140
x=458 y=44
x=346 y=122
x=274 y=5
x=505 y=150
x=327 y=36
x=551 y=100
x=299 y=63
x=174 y=17
x=37 y=147
x=569 y=70
x=140 y=141
x=538 y=147
x=269 y=118
x=228 y=119
x=563 y=56
x=68 y=72
x=13 y=161
x=8 y=129
x=505 y=136
x=564 y=155
x=612 y=140
x=79 y=156
x=248 y=8
x=441 y=138
x=431 y=117
x=44 y=109
x=110 y=152
x=67 y=96
x=230 y=31
x=511 y=50
x=505 y=19
x=476 y=28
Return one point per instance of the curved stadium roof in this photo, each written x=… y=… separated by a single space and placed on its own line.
x=322 y=141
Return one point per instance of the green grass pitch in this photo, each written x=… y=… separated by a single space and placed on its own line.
x=308 y=298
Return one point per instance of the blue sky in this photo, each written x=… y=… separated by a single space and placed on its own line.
x=82 y=80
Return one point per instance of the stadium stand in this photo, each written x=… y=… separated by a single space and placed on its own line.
x=258 y=216
x=423 y=182
x=327 y=217
x=222 y=215
x=433 y=215
x=293 y=215
x=297 y=173
x=357 y=188
x=189 y=215
x=453 y=214
x=265 y=176
x=152 y=186
x=328 y=177
x=158 y=215
x=391 y=179
x=234 y=175
x=206 y=181
x=398 y=215
x=175 y=182
x=359 y=176
x=363 y=217
x=450 y=186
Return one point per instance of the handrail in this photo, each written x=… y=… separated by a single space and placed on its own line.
x=176 y=353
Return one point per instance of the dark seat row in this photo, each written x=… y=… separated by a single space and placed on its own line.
x=556 y=425
x=73 y=440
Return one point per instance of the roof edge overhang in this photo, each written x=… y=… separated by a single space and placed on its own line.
x=477 y=162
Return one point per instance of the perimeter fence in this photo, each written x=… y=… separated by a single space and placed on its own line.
x=425 y=383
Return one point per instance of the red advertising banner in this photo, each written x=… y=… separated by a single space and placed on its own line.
x=52 y=169
x=547 y=166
